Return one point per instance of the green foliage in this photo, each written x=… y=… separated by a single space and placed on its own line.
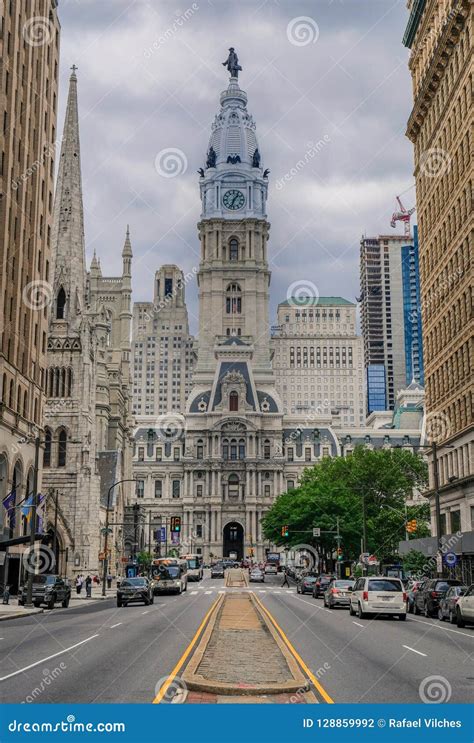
x=336 y=487
x=414 y=562
x=144 y=559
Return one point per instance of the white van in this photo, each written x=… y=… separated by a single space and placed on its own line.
x=378 y=595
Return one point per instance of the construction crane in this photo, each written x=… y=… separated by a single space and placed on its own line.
x=404 y=215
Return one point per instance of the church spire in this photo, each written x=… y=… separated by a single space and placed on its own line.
x=127 y=254
x=68 y=221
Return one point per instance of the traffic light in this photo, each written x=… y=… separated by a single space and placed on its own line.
x=339 y=553
x=176 y=523
x=285 y=532
x=412 y=526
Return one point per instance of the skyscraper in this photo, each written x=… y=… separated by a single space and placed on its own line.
x=319 y=359
x=162 y=347
x=440 y=127
x=29 y=41
x=390 y=317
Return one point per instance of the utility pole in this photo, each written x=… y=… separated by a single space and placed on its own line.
x=434 y=451
x=106 y=535
x=364 y=531
x=31 y=566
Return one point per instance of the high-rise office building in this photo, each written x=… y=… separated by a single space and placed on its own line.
x=390 y=317
x=439 y=35
x=162 y=347
x=318 y=358
x=29 y=44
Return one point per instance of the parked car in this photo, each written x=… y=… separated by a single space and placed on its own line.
x=135 y=589
x=465 y=608
x=257 y=576
x=428 y=597
x=47 y=589
x=218 y=570
x=320 y=585
x=338 y=592
x=447 y=604
x=378 y=595
x=306 y=583
x=412 y=588
x=271 y=568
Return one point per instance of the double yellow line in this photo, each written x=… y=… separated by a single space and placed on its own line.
x=298 y=658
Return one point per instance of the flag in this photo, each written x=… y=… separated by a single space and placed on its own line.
x=26 y=507
x=9 y=504
x=40 y=513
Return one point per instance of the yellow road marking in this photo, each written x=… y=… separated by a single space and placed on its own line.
x=299 y=659
x=179 y=664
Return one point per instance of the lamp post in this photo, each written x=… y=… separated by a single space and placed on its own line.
x=34 y=505
x=106 y=536
x=342 y=444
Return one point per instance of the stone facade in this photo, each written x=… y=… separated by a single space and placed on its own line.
x=318 y=358
x=221 y=464
x=87 y=418
x=440 y=36
x=28 y=72
x=162 y=347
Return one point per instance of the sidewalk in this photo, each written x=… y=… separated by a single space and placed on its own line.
x=12 y=610
x=96 y=593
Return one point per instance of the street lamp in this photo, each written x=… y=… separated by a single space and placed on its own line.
x=106 y=538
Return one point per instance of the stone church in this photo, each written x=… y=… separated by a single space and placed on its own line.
x=220 y=466
x=87 y=426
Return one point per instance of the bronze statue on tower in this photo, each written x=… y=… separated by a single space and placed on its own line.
x=232 y=63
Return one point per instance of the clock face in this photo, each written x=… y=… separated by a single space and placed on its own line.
x=233 y=199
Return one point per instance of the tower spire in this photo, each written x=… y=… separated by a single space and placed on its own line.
x=127 y=254
x=68 y=220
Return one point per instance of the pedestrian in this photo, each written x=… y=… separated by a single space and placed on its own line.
x=89 y=587
x=78 y=584
x=285 y=579
x=96 y=579
x=109 y=581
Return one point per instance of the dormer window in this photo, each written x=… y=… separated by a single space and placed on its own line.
x=233 y=402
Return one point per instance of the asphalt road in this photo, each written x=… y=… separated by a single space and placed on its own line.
x=99 y=653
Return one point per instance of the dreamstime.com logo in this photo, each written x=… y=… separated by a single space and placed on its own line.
x=435 y=162
x=176 y=691
x=435 y=690
x=171 y=162
x=305 y=556
x=37 y=295
x=300 y=291
x=302 y=30
x=38 y=31
x=39 y=560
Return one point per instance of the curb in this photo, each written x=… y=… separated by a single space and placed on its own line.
x=17 y=614
x=195 y=682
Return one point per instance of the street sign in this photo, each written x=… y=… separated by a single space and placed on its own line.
x=450 y=559
x=316 y=531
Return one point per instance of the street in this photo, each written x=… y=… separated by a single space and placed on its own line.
x=99 y=653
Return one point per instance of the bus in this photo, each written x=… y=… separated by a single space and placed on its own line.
x=169 y=575
x=194 y=563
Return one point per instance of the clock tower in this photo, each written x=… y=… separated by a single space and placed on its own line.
x=233 y=275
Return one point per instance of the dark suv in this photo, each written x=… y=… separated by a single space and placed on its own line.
x=47 y=589
x=135 y=589
x=428 y=597
x=322 y=582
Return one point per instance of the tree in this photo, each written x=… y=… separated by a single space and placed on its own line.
x=335 y=489
x=144 y=559
x=415 y=562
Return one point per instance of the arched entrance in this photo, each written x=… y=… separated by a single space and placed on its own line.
x=233 y=541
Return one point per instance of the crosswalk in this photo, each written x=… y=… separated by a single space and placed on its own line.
x=208 y=592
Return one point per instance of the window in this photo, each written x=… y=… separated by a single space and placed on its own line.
x=455 y=521
x=291 y=454
x=62 y=448
x=199 y=491
x=267 y=491
x=61 y=304
x=307 y=454
x=290 y=485
x=47 y=448
x=266 y=449
x=176 y=488
x=199 y=450
x=159 y=453
x=140 y=488
x=241 y=449
x=233 y=486
x=233 y=302
x=158 y=488
x=199 y=531
x=225 y=449
x=176 y=454
x=141 y=453
x=233 y=449
x=234 y=249
x=233 y=401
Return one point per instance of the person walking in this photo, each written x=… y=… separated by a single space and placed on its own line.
x=109 y=581
x=78 y=584
x=89 y=587
x=285 y=579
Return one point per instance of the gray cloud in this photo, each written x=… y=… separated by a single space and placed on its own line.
x=148 y=82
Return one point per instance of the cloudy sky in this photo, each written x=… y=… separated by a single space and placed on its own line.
x=329 y=70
